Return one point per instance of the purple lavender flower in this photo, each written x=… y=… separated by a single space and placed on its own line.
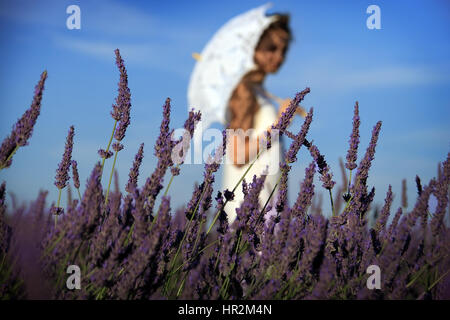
x=175 y=171
x=324 y=170
x=185 y=140
x=123 y=100
x=163 y=150
x=291 y=155
x=282 y=195
x=305 y=194
x=62 y=174
x=394 y=223
x=23 y=129
x=364 y=165
x=105 y=155
x=352 y=153
x=56 y=211
x=442 y=195
x=134 y=171
x=248 y=212
x=75 y=176
x=419 y=185
x=117 y=146
x=408 y=223
x=381 y=222
x=223 y=218
x=164 y=131
x=286 y=117
x=191 y=121
x=229 y=195
x=211 y=167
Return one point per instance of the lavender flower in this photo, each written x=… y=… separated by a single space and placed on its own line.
x=394 y=223
x=134 y=171
x=364 y=165
x=381 y=222
x=291 y=155
x=282 y=196
x=352 y=152
x=117 y=146
x=305 y=194
x=23 y=129
x=105 y=155
x=223 y=219
x=127 y=252
x=62 y=174
x=75 y=176
x=163 y=150
x=123 y=100
x=175 y=171
x=185 y=140
x=164 y=131
x=324 y=170
x=229 y=195
x=286 y=117
x=419 y=185
x=442 y=195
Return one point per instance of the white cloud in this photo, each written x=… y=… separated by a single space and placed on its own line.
x=337 y=72
x=423 y=136
x=150 y=55
x=379 y=77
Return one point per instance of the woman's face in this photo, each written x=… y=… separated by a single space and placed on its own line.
x=270 y=53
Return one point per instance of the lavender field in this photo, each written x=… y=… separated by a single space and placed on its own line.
x=135 y=245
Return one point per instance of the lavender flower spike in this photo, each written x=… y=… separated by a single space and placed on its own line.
x=324 y=169
x=123 y=99
x=75 y=176
x=364 y=166
x=291 y=155
x=134 y=172
x=354 y=141
x=285 y=120
x=23 y=128
x=62 y=174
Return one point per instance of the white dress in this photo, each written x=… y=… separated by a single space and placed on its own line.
x=226 y=58
x=268 y=161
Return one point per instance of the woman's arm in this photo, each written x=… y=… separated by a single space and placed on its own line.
x=243 y=106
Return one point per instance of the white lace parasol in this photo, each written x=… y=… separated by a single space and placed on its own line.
x=226 y=58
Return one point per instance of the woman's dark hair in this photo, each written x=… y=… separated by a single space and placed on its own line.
x=281 y=23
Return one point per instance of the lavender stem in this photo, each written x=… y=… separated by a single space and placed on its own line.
x=170 y=182
x=332 y=204
x=79 y=195
x=57 y=205
x=349 y=182
x=109 y=144
x=110 y=177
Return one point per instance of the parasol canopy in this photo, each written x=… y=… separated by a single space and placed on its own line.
x=226 y=58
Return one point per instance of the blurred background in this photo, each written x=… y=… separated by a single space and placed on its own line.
x=399 y=74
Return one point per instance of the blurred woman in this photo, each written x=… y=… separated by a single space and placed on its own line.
x=227 y=85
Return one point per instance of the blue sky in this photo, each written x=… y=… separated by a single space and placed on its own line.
x=399 y=74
